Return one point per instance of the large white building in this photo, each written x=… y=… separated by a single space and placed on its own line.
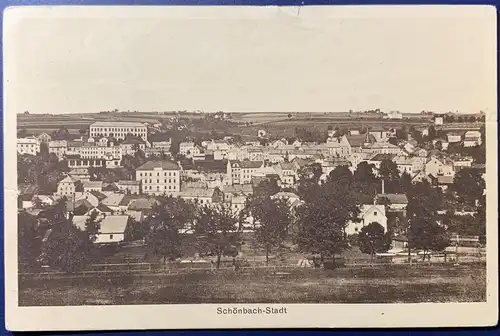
x=118 y=129
x=28 y=146
x=159 y=177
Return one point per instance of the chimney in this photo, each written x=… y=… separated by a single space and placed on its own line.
x=383 y=186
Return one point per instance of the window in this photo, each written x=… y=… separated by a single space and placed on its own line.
x=110 y=236
x=375 y=213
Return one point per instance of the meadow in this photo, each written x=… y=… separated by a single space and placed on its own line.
x=379 y=284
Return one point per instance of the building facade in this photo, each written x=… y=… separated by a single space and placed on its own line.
x=159 y=177
x=118 y=129
x=29 y=146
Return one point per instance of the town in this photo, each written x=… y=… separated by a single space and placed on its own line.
x=186 y=191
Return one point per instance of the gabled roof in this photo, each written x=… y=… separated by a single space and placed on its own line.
x=129 y=183
x=100 y=196
x=132 y=141
x=113 y=199
x=394 y=198
x=104 y=208
x=357 y=140
x=197 y=192
x=380 y=157
x=288 y=166
x=142 y=204
x=164 y=165
x=92 y=184
x=283 y=194
x=114 y=224
x=248 y=164
x=238 y=189
x=68 y=179
x=365 y=208
x=445 y=179
x=117 y=124
x=83 y=203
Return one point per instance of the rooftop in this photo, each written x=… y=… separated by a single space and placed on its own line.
x=164 y=165
x=117 y=124
x=394 y=198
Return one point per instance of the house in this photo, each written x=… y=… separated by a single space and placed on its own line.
x=379 y=133
x=129 y=187
x=381 y=148
x=93 y=197
x=439 y=167
x=417 y=163
x=66 y=187
x=237 y=203
x=241 y=172
x=141 y=204
x=80 y=174
x=404 y=164
x=204 y=196
x=394 y=115
x=163 y=145
x=421 y=152
x=357 y=141
x=159 y=177
x=131 y=145
x=236 y=190
x=438 y=120
x=420 y=177
x=113 y=201
x=58 y=147
x=444 y=182
x=287 y=172
x=292 y=198
x=261 y=133
x=44 y=138
x=92 y=186
x=369 y=213
x=82 y=207
x=188 y=149
x=472 y=138
x=395 y=202
x=453 y=137
x=399 y=242
x=112 y=228
x=29 y=146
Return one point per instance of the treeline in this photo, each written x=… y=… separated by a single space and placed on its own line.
x=317 y=225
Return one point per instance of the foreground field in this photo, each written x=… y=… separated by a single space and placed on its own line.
x=391 y=284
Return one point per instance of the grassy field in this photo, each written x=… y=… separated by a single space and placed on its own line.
x=391 y=284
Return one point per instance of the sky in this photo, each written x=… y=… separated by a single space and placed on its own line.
x=160 y=59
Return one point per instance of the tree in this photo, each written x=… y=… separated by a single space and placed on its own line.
x=405 y=182
x=273 y=218
x=438 y=145
x=29 y=244
x=424 y=232
x=166 y=224
x=393 y=141
x=372 y=239
x=61 y=134
x=366 y=184
x=469 y=185
x=267 y=187
x=289 y=115
x=82 y=131
x=323 y=217
x=67 y=247
x=217 y=230
x=309 y=180
x=92 y=226
x=389 y=172
x=401 y=134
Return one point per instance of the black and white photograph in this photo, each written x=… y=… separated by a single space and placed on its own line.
x=259 y=164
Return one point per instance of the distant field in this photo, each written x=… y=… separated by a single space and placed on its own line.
x=391 y=284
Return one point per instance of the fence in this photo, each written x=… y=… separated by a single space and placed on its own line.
x=151 y=269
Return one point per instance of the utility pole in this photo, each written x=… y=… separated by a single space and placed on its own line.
x=456 y=250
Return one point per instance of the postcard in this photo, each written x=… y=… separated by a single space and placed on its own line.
x=250 y=167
